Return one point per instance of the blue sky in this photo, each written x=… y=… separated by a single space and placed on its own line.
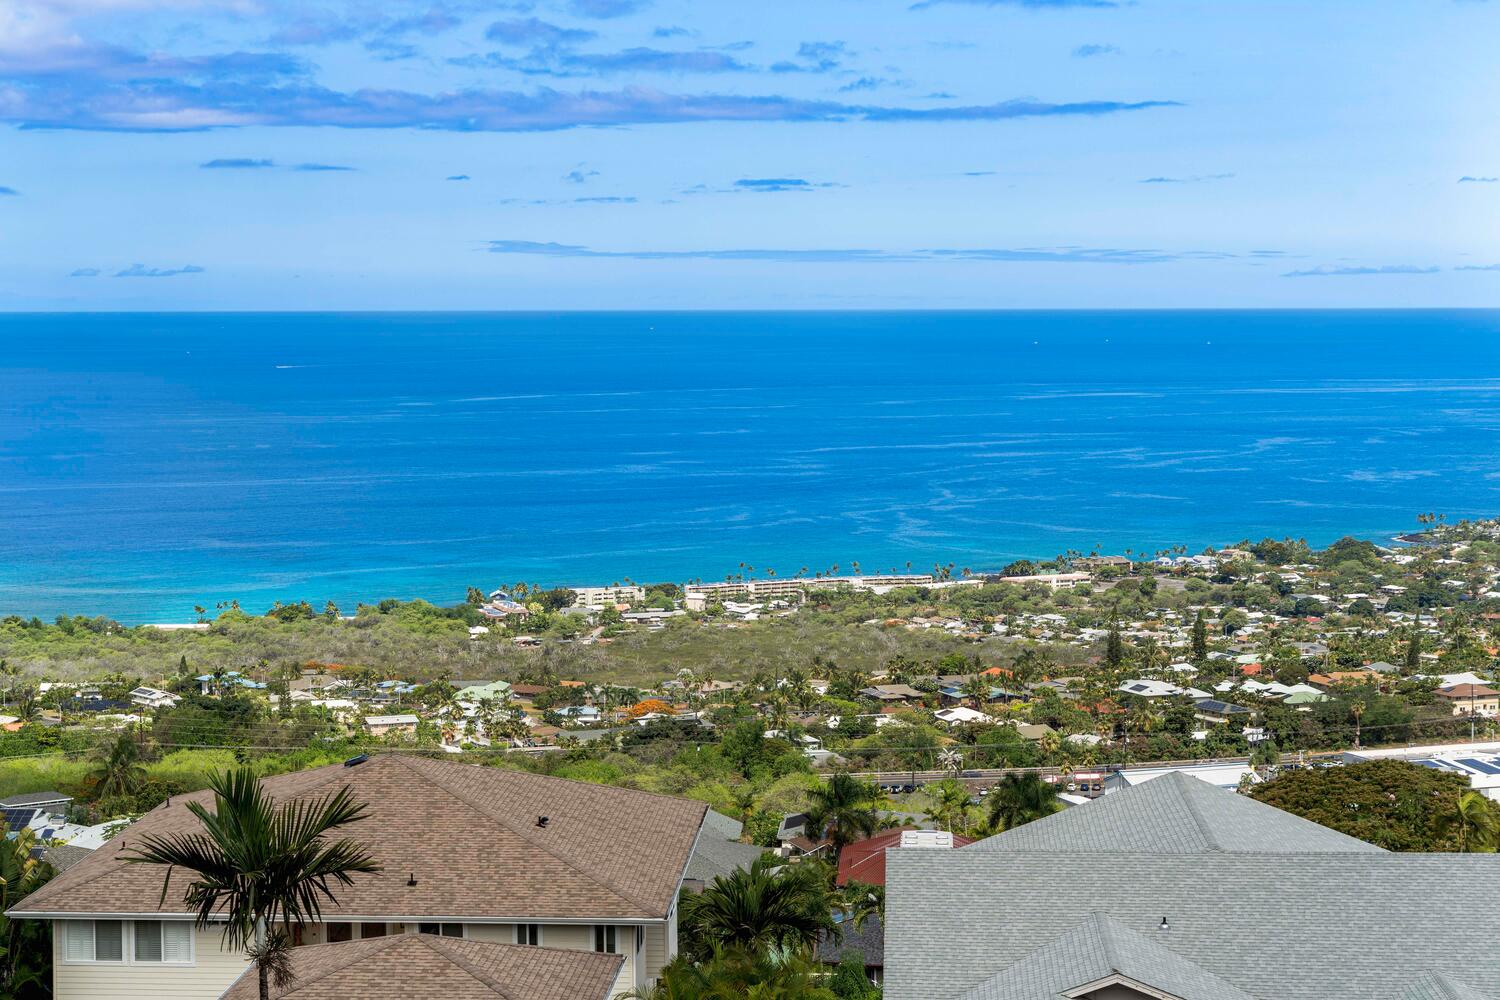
x=473 y=154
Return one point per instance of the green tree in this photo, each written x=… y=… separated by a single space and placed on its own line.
x=1114 y=647
x=1391 y=803
x=738 y=974
x=1018 y=799
x=849 y=981
x=1200 y=638
x=263 y=868
x=117 y=771
x=949 y=807
x=770 y=906
x=25 y=945
x=843 y=810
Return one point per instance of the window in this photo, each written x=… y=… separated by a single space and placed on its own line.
x=163 y=941
x=371 y=930
x=340 y=932
x=528 y=933
x=445 y=930
x=604 y=939
x=145 y=942
x=94 y=941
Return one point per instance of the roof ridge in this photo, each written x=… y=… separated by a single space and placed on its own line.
x=526 y=835
x=441 y=947
x=351 y=956
x=1180 y=789
x=114 y=864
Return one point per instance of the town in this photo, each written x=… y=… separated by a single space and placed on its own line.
x=535 y=795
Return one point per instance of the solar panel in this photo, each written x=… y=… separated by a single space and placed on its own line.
x=19 y=818
x=1482 y=766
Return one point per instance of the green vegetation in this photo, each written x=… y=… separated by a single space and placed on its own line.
x=25 y=945
x=1390 y=803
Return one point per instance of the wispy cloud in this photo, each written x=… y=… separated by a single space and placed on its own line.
x=84 y=272
x=8 y=192
x=1477 y=267
x=772 y=184
x=605 y=9
x=142 y=271
x=813 y=57
x=535 y=31
x=863 y=83
x=1089 y=51
x=236 y=163
x=673 y=31
x=1191 y=179
x=199 y=103
x=560 y=61
x=1332 y=272
x=1056 y=255
x=317 y=168
x=606 y=199
x=1467 y=179
x=579 y=176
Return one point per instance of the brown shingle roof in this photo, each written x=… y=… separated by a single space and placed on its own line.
x=468 y=834
x=426 y=967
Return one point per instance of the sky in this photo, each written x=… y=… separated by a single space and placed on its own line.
x=827 y=154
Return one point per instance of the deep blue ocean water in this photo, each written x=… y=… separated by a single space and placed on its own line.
x=150 y=462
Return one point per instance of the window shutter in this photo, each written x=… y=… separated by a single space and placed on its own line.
x=176 y=941
x=78 y=940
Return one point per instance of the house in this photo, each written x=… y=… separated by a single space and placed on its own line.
x=1218 y=712
x=866 y=942
x=150 y=697
x=430 y=966
x=960 y=715
x=1226 y=776
x=51 y=801
x=892 y=693
x=471 y=852
x=1481 y=770
x=720 y=851
x=383 y=725
x=582 y=714
x=1182 y=882
x=481 y=690
x=1471 y=699
x=864 y=860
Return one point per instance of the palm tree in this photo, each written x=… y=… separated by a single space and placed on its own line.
x=22 y=947
x=950 y=805
x=1018 y=799
x=1357 y=709
x=843 y=810
x=117 y=770
x=265 y=868
x=736 y=972
x=769 y=906
x=1478 y=827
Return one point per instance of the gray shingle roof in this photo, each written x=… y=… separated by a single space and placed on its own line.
x=1174 y=814
x=1354 y=926
x=719 y=851
x=1436 y=986
x=868 y=942
x=1095 y=950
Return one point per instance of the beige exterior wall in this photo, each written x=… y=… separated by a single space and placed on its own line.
x=213 y=969
x=209 y=975
x=580 y=937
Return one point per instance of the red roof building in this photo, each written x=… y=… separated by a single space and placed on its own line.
x=864 y=860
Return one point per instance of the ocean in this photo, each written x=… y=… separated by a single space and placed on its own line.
x=153 y=462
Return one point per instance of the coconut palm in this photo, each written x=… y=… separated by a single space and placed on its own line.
x=1478 y=826
x=1018 y=799
x=1357 y=709
x=769 y=906
x=843 y=810
x=262 y=867
x=117 y=770
x=949 y=805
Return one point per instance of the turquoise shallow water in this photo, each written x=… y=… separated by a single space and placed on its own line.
x=152 y=462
